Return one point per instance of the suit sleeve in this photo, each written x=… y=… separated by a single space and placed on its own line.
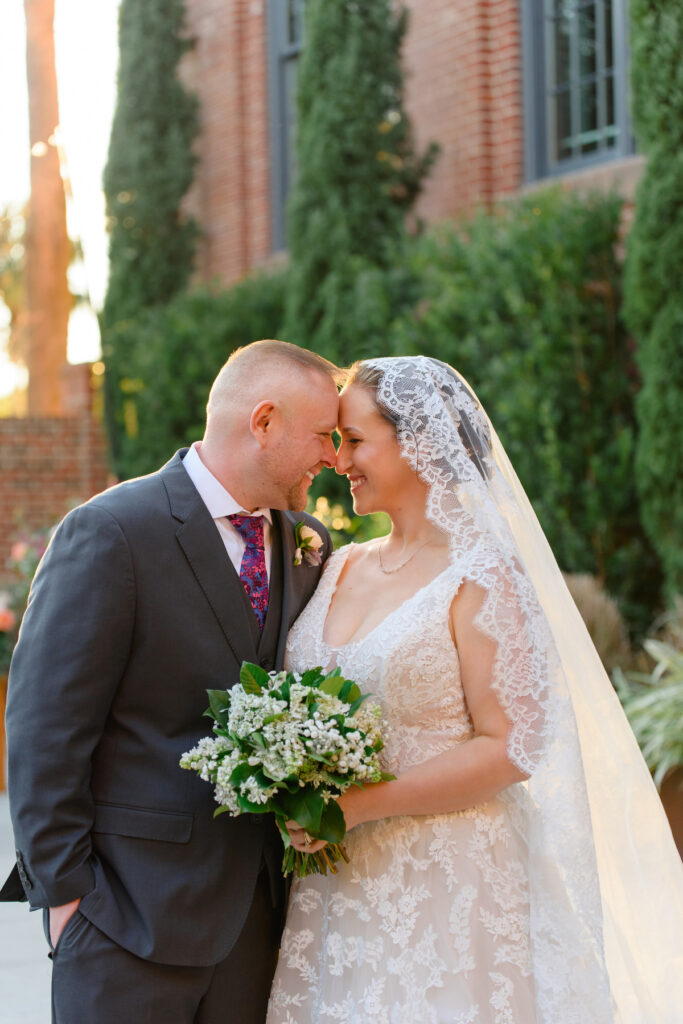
x=72 y=651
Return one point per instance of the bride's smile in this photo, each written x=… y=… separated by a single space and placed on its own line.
x=370 y=457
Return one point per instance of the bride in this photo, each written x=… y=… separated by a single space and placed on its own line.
x=519 y=870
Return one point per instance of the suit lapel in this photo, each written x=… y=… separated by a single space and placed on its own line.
x=204 y=550
x=286 y=524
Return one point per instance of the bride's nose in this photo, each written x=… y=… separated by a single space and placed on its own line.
x=343 y=460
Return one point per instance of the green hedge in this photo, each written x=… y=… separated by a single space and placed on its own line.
x=654 y=273
x=526 y=303
x=358 y=172
x=149 y=169
x=176 y=351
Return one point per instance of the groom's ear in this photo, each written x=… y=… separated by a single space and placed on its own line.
x=261 y=421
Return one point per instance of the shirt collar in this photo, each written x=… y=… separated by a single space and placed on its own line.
x=218 y=501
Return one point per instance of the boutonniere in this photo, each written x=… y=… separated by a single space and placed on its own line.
x=308 y=545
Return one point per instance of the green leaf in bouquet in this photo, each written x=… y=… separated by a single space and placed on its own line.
x=349 y=691
x=290 y=784
x=262 y=780
x=253 y=678
x=257 y=741
x=312 y=677
x=333 y=779
x=356 y=702
x=322 y=758
x=249 y=807
x=222 y=809
x=241 y=773
x=219 y=706
x=273 y=718
x=332 y=685
x=305 y=807
x=280 y=820
x=284 y=690
x=332 y=823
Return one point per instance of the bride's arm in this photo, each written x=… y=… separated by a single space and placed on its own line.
x=473 y=771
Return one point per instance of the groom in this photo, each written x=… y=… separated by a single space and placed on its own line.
x=149 y=594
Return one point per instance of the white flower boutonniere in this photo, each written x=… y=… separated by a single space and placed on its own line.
x=308 y=545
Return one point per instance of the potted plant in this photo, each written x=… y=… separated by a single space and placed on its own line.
x=653 y=702
x=25 y=554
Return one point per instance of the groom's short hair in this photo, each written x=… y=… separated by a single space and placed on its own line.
x=269 y=348
x=249 y=359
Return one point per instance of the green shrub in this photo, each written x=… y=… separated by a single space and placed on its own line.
x=653 y=700
x=149 y=170
x=358 y=174
x=654 y=271
x=526 y=303
x=175 y=352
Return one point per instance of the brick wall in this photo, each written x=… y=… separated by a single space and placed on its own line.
x=464 y=90
x=463 y=65
x=47 y=466
x=227 y=69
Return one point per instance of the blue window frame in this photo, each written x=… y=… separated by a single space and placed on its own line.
x=285 y=39
x=575 y=84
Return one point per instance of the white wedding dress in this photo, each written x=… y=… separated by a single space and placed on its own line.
x=429 y=923
x=559 y=902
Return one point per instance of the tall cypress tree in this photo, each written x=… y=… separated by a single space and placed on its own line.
x=149 y=170
x=358 y=172
x=654 y=271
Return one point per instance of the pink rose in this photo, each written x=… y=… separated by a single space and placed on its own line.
x=7 y=620
x=18 y=551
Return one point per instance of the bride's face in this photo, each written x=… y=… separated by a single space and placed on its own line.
x=370 y=456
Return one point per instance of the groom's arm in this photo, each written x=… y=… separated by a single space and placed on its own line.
x=72 y=651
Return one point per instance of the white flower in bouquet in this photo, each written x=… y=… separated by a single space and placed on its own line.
x=289 y=743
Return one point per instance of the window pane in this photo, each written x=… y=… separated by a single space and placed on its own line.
x=294 y=21
x=572 y=84
x=609 y=35
x=613 y=130
x=562 y=35
x=587 y=44
x=290 y=77
x=589 y=118
x=563 y=131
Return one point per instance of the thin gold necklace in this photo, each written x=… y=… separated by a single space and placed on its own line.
x=389 y=572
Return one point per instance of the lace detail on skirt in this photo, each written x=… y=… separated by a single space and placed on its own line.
x=430 y=922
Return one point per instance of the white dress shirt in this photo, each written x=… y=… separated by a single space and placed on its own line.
x=220 y=504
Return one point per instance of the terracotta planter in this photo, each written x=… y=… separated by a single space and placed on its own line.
x=672 y=798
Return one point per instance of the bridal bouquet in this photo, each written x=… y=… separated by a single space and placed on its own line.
x=290 y=743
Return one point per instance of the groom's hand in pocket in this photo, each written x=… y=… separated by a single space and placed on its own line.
x=59 y=917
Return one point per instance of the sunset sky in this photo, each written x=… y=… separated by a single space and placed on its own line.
x=86 y=45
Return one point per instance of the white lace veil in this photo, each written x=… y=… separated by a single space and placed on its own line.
x=606 y=879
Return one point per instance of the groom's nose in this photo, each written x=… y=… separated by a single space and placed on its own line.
x=329 y=453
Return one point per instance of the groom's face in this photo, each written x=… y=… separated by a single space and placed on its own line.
x=305 y=445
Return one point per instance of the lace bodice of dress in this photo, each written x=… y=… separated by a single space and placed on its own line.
x=408 y=661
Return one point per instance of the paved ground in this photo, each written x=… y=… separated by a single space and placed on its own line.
x=24 y=966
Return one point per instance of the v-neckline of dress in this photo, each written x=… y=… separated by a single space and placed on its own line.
x=333 y=590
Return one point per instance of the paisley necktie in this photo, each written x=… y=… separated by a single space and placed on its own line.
x=253 y=568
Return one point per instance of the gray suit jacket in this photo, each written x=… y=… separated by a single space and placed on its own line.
x=135 y=611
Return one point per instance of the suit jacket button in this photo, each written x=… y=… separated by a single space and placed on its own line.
x=256 y=819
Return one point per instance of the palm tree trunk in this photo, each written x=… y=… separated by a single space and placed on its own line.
x=47 y=245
